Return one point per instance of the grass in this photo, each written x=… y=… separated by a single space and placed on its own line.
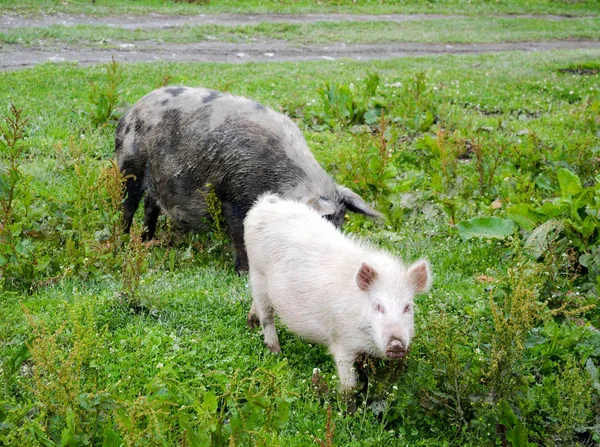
x=460 y=30
x=108 y=7
x=81 y=364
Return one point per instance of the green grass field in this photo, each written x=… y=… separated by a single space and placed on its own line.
x=463 y=30
x=470 y=7
x=487 y=165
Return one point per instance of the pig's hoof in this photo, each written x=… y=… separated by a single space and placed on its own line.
x=350 y=399
x=275 y=348
x=253 y=321
x=241 y=265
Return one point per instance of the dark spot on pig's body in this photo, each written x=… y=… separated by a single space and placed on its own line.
x=133 y=166
x=164 y=102
x=212 y=95
x=131 y=116
x=139 y=125
x=170 y=130
x=260 y=107
x=118 y=142
x=175 y=91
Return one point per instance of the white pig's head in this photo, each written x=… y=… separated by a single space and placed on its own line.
x=391 y=289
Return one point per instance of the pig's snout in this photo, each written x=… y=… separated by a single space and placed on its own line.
x=395 y=349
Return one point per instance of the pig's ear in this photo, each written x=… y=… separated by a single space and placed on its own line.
x=323 y=206
x=355 y=203
x=419 y=276
x=365 y=277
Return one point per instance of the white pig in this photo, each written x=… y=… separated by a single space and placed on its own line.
x=327 y=287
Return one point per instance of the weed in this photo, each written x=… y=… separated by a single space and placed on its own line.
x=329 y=429
x=517 y=314
x=66 y=371
x=215 y=211
x=569 y=223
x=573 y=401
x=16 y=249
x=105 y=97
x=346 y=105
x=415 y=113
x=240 y=410
x=140 y=422
x=135 y=264
x=450 y=370
x=215 y=241
x=442 y=154
x=112 y=190
x=487 y=163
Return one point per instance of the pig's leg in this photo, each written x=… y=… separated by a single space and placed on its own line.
x=256 y=283
x=151 y=213
x=253 y=321
x=234 y=216
x=133 y=195
x=347 y=374
x=262 y=310
x=345 y=367
x=269 y=331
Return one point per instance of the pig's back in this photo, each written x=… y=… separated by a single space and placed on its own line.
x=286 y=236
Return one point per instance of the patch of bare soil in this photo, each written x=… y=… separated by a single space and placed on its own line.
x=15 y=56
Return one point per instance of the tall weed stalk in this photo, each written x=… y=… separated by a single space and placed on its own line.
x=517 y=313
x=105 y=95
x=16 y=249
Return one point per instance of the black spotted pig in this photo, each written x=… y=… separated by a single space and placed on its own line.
x=327 y=287
x=177 y=142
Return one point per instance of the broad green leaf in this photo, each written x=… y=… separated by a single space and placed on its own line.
x=516 y=433
x=537 y=242
x=436 y=182
x=524 y=215
x=111 y=439
x=371 y=117
x=569 y=182
x=587 y=227
x=550 y=210
x=210 y=402
x=486 y=227
x=371 y=84
x=4 y=186
x=543 y=182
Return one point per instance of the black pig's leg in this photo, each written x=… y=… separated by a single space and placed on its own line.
x=134 y=190
x=234 y=216
x=151 y=213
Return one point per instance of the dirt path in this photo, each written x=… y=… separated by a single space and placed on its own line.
x=15 y=56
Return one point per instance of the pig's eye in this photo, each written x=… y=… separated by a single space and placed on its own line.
x=407 y=308
x=379 y=308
